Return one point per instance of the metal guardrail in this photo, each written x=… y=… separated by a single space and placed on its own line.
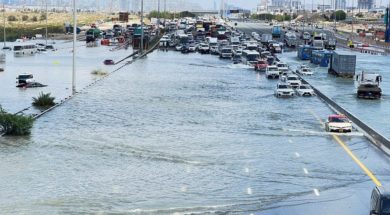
x=375 y=137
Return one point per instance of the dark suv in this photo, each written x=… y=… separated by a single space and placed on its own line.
x=380 y=201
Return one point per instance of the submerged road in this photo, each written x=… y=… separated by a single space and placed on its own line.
x=176 y=133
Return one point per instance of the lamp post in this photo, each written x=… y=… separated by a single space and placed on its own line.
x=4 y=35
x=46 y=20
x=74 y=48
x=142 y=27
x=158 y=20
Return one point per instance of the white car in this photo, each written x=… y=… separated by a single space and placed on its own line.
x=282 y=67
x=293 y=80
x=179 y=47
x=284 y=90
x=305 y=90
x=204 y=48
x=284 y=75
x=192 y=47
x=338 y=123
x=237 y=52
x=272 y=71
x=305 y=71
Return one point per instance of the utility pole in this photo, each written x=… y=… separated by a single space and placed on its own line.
x=74 y=48
x=46 y=20
x=142 y=27
x=4 y=35
x=158 y=19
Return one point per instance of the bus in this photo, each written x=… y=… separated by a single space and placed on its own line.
x=25 y=49
x=249 y=57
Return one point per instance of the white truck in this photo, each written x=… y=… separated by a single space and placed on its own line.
x=213 y=43
x=265 y=38
x=368 y=85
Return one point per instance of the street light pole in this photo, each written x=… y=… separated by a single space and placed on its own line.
x=74 y=48
x=158 y=20
x=4 y=35
x=142 y=27
x=46 y=20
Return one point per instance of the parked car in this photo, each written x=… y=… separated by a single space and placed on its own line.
x=284 y=90
x=338 y=123
x=305 y=90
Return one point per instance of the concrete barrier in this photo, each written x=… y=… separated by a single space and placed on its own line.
x=375 y=137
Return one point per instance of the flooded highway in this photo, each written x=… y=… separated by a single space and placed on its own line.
x=184 y=134
x=53 y=68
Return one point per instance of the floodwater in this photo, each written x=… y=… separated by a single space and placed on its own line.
x=53 y=68
x=178 y=134
x=373 y=112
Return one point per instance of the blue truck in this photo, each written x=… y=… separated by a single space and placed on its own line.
x=276 y=31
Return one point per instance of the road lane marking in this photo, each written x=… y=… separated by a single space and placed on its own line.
x=249 y=191
x=350 y=153
x=297 y=154
x=361 y=165
x=316 y=192
x=305 y=171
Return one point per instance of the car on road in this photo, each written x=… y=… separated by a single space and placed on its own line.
x=108 y=62
x=282 y=67
x=338 y=123
x=261 y=65
x=305 y=90
x=304 y=71
x=204 y=48
x=272 y=71
x=284 y=90
x=306 y=36
x=380 y=201
x=293 y=80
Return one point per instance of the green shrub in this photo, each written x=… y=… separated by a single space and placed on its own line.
x=15 y=125
x=42 y=17
x=43 y=100
x=12 y=18
x=24 y=18
x=34 y=19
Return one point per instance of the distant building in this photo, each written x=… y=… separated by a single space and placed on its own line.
x=323 y=7
x=365 y=4
x=341 y=4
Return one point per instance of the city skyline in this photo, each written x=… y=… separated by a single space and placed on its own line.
x=180 y=5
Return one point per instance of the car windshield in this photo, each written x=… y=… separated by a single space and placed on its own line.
x=385 y=207
x=283 y=86
x=304 y=87
x=272 y=69
x=338 y=119
x=292 y=78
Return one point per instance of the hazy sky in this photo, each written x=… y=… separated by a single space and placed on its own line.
x=247 y=4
